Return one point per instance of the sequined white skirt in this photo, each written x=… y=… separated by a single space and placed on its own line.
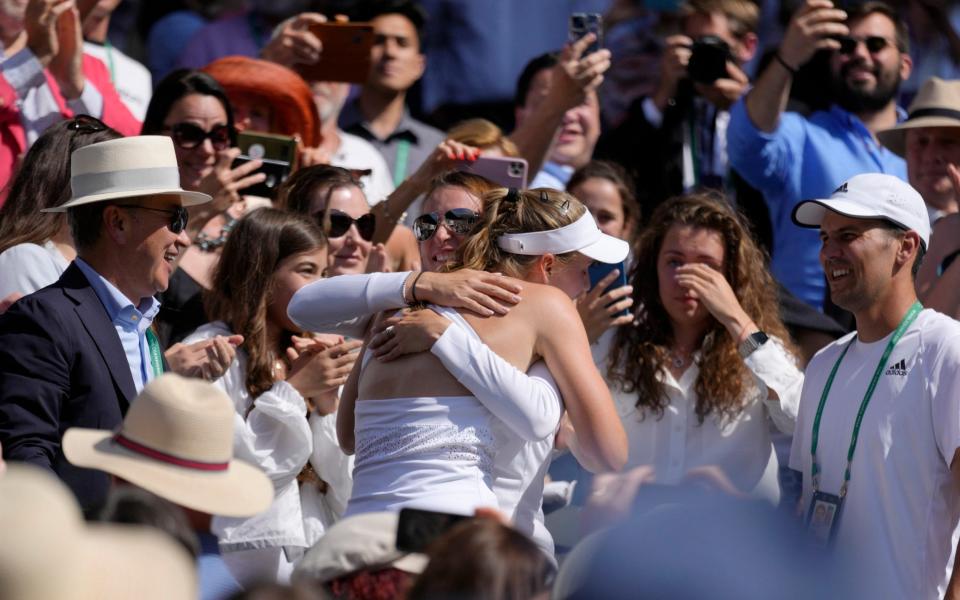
x=431 y=453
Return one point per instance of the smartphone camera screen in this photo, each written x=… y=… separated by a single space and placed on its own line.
x=583 y=23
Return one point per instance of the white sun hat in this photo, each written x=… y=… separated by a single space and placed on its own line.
x=49 y=552
x=130 y=167
x=581 y=236
x=177 y=442
x=870 y=196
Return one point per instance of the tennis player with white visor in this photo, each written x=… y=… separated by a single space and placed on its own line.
x=878 y=433
x=527 y=406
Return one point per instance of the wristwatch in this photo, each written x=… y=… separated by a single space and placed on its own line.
x=753 y=341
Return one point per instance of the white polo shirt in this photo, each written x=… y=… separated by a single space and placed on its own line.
x=901 y=511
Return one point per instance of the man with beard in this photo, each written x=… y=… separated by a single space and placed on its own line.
x=878 y=431
x=789 y=157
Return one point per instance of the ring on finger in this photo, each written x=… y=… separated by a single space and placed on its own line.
x=390 y=330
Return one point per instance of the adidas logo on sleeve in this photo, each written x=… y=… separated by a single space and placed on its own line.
x=898 y=368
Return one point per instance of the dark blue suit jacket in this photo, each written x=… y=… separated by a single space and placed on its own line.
x=61 y=365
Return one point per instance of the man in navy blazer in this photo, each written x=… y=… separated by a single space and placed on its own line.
x=76 y=353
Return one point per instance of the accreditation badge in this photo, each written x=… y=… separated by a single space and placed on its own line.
x=823 y=517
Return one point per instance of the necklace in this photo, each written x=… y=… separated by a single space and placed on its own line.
x=679 y=358
x=208 y=244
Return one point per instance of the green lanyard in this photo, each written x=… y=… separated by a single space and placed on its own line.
x=897 y=334
x=400 y=166
x=113 y=72
x=156 y=362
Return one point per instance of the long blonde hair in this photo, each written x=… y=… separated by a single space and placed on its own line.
x=515 y=211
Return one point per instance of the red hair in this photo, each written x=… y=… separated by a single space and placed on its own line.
x=286 y=93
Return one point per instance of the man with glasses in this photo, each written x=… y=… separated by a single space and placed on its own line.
x=76 y=353
x=789 y=157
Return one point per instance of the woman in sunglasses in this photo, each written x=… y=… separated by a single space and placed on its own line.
x=192 y=108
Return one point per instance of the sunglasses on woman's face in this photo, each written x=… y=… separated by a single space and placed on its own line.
x=189 y=136
x=458 y=220
x=874 y=43
x=178 y=216
x=340 y=223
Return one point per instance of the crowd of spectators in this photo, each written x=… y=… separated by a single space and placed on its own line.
x=372 y=299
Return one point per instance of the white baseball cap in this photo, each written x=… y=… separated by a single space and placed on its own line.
x=871 y=196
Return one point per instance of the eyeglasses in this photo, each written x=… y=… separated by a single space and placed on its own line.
x=178 y=216
x=86 y=124
x=458 y=220
x=874 y=43
x=340 y=223
x=189 y=136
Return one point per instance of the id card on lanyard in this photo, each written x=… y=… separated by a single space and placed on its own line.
x=824 y=512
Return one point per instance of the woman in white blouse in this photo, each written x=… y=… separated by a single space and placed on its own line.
x=708 y=359
x=276 y=382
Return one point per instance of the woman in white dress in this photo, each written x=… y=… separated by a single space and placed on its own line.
x=708 y=364
x=422 y=438
x=268 y=257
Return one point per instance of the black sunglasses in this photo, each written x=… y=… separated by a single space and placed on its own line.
x=458 y=220
x=340 y=223
x=874 y=43
x=86 y=124
x=178 y=216
x=189 y=136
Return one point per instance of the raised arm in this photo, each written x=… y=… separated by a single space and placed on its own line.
x=565 y=349
x=811 y=29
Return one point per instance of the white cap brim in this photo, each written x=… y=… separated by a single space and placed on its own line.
x=810 y=213
x=607 y=249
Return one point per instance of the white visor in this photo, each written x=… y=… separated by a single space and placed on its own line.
x=581 y=236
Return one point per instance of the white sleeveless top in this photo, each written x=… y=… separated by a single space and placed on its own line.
x=429 y=453
x=519 y=465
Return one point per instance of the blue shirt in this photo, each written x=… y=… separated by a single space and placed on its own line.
x=803 y=158
x=131 y=323
x=216 y=581
x=552 y=175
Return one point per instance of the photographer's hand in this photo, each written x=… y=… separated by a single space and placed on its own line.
x=723 y=92
x=673 y=68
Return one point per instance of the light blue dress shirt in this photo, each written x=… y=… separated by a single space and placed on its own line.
x=803 y=158
x=552 y=175
x=131 y=323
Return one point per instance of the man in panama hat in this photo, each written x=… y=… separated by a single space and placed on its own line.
x=929 y=140
x=77 y=352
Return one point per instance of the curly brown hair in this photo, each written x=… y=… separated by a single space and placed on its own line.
x=639 y=354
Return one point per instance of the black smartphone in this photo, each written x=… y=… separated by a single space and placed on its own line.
x=599 y=270
x=583 y=23
x=708 y=59
x=417 y=528
x=275 y=170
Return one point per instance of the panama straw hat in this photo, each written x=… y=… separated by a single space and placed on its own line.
x=130 y=167
x=49 y=552
x=177 y=442
x=937 y=105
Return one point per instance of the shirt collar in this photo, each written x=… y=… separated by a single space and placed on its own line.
x=406 y=128
x=117 y=305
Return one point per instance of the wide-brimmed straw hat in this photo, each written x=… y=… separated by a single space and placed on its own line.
x=937 y=105
x=177 y=442
x=49 y=552
x=131 y=167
